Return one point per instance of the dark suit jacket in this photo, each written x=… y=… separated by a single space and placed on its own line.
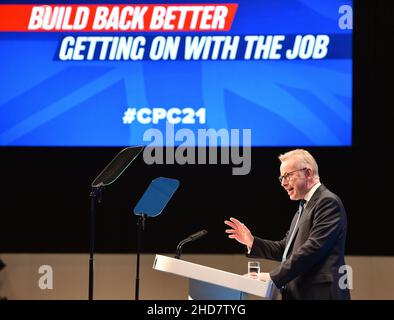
x=311 y=270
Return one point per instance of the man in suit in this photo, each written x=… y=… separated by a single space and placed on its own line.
x=312 y=251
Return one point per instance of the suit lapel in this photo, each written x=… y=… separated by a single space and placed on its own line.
x=306 y=211
x=292 y=227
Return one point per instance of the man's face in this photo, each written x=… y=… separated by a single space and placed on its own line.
x=294 y=181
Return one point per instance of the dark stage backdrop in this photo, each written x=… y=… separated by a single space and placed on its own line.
x=45 y=202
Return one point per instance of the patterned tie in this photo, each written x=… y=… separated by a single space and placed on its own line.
x=300 y=210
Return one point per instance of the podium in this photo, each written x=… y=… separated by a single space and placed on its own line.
x=207 y=283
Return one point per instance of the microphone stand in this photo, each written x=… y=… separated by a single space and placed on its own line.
x=179 y=247
x=193 y=237
x=140 y=228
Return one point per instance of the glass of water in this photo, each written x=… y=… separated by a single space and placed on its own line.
x=253 y=267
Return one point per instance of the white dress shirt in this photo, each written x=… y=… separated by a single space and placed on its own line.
x=307 y=197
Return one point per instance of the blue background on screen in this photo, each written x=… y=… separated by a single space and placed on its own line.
x=47 y=102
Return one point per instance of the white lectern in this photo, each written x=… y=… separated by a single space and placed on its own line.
x=207 y=283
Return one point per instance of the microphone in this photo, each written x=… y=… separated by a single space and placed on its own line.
x=190 y=238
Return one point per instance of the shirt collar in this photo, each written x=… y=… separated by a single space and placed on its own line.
x=310 y=193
